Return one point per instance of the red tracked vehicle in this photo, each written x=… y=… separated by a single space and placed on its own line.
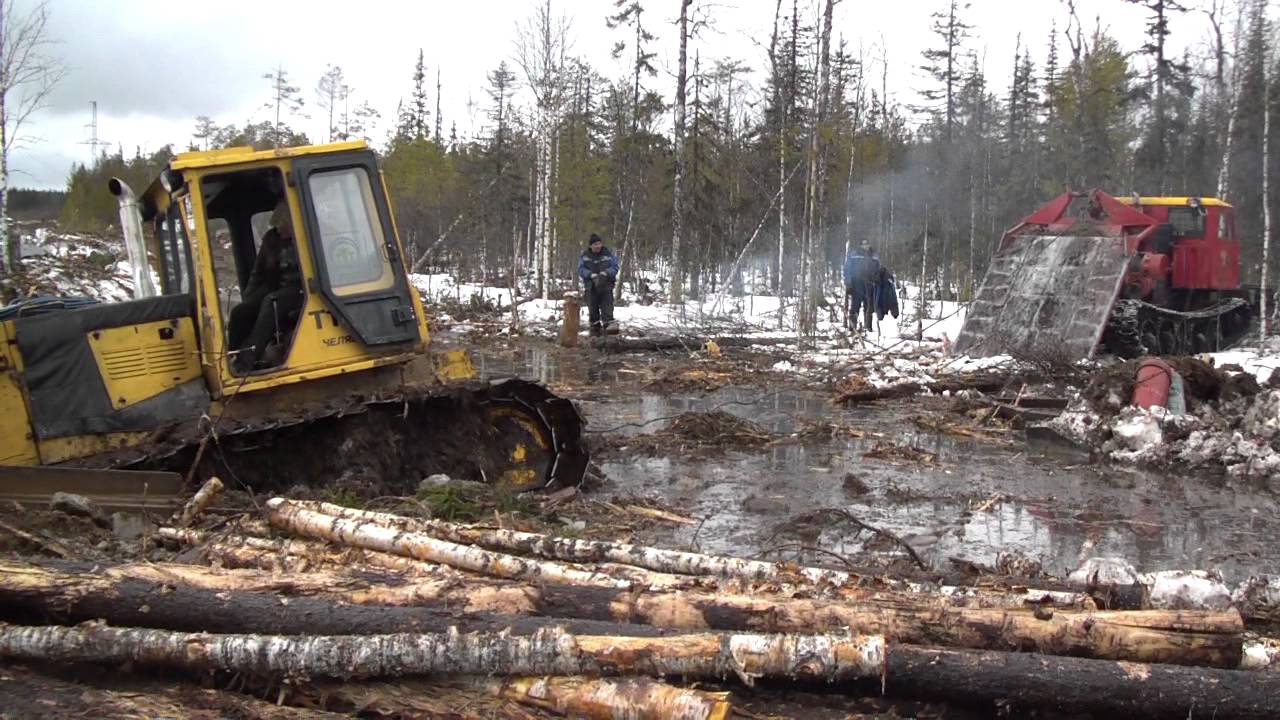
x=1130 y=276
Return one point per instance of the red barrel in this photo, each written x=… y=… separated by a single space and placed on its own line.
x=1151 y=384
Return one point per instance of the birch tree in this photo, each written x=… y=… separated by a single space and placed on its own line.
x=541 y=47
x=331 y=93
x=28 y=73
x=677 y=202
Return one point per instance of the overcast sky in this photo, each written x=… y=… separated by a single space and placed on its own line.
x=154 y=66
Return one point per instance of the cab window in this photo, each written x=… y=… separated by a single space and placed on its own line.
x=1187 y=222
x=350 y=233
x=175 y=252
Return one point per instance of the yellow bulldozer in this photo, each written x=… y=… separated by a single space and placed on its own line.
x=274 y=338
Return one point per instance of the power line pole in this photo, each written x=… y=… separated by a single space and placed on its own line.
x=94 y=141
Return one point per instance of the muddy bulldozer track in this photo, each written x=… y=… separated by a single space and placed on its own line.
x=514 y=432
x=1137 y=328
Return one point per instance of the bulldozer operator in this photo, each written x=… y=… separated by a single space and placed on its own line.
x=272 y=297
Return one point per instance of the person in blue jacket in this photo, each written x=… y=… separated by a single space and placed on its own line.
x=861 y=284
x=598 y=269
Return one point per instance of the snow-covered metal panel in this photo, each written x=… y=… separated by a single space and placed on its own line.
x=1045 y=297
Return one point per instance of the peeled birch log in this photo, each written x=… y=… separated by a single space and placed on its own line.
x=249 y=602
x=685 y=563
x=201 y=500
x=298 y=519
x=834 y=658
x=1016 y=683
x=613 y=698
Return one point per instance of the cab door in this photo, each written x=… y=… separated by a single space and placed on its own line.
x=358 y=266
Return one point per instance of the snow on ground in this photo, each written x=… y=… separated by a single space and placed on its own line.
x=69 y=264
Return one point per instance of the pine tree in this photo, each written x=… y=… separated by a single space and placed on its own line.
x=331 y=94
x=285 y=101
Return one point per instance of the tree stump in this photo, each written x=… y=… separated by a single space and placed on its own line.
x=572 y=320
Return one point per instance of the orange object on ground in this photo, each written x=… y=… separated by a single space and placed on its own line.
x=1151 y=384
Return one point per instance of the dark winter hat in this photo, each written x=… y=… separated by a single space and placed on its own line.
x=595 y=239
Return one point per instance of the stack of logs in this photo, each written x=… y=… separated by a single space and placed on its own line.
x=320 y=592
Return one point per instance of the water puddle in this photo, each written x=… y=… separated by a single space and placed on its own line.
x=976 y=501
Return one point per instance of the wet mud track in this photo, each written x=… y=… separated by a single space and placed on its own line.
x=993 y=503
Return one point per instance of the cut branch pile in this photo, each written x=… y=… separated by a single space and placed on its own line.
x=592 y=628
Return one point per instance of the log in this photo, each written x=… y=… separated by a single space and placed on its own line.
x=688 y=342
x=296 y=518
x=201 y=500
x=1179 y=637
x=833 y=658
x=610 y=698
x=76 y=592
x=984 y=382
x=292 y=555
x=117 y=593
x=676 y=562
x=1015 y=683
x=1188 y=637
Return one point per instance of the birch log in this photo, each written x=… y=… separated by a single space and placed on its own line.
x=207 y=493
x=613 y=698
x=239 y=602
x=688 y=563
x=1184 y=637
x=1209 y=638
x=833 y=658
x=297 y=519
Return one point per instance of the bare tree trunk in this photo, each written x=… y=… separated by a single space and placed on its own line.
x=677 y=203
x=1224 y=167
x=1267 y=72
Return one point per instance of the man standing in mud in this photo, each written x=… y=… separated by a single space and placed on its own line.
x=598 y=269
x=861 y=281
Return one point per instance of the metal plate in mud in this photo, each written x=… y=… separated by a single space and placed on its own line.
x=1047 y=299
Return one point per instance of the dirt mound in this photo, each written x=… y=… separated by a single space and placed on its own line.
x=1111 y=388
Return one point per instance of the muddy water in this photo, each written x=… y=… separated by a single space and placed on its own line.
x=1055 y=510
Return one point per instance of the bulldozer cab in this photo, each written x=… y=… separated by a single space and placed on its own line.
x=292 y=260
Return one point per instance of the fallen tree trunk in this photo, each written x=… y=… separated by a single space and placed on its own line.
x=293 y=555
x=573 y=696
x=609 y=698
x=1183 y=637
x=298 y=519
x=155 y=597
x=688 y=342
x=983 y=382
x=1178 y=637
x=689 y=563
x=547 y=652
x=1018 y=682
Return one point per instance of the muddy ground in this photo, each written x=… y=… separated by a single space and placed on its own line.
x=723 y=454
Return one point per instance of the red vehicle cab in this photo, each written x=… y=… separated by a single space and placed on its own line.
x=1195 y=246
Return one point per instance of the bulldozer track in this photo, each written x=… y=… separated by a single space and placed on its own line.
x=1136 y=327
x=469 y=430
